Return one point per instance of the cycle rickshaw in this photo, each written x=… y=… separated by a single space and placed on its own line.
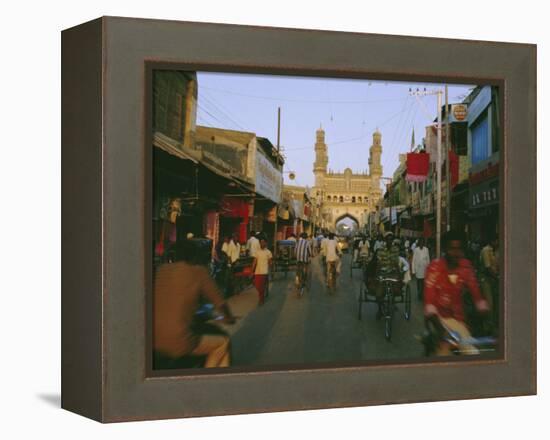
x=394 y=292
x=285 y=259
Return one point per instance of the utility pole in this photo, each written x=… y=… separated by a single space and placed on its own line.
x=390 y=194
x=278 y=129
x=278 y=159
x=447 y=159
x=437 y=92
x=438 y=165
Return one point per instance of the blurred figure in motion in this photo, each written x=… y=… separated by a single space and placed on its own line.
x=446 y=280
x=178 y=288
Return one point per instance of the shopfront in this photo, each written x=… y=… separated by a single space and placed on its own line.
x=484 y=207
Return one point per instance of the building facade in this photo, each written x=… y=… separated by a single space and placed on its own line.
x=346 y=194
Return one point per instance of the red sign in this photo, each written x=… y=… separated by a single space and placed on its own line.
x=418 y=166
x=235 y=207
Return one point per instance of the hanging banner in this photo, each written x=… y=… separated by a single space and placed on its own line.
x=418 y=166
x=235 y=207
x=269 y=180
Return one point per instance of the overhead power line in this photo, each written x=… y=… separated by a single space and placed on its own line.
x=311 y=101
x=221 y=110
x=345 y=141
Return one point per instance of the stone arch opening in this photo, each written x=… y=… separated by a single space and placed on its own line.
x=346 y=224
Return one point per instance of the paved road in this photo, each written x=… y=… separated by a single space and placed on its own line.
x=322 y=328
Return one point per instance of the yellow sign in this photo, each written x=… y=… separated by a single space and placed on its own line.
x=460 y=111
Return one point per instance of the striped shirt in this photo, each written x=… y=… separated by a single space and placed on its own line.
x=303 y=250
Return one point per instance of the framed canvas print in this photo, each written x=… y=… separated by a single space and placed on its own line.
x=264 y=219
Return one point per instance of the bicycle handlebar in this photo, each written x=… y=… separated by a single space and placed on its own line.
x=392 y=280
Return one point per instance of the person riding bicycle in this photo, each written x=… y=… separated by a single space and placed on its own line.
x=387 y=266
x=304 y=253
x=332 y=253
x=177 y=290
x=445 y=282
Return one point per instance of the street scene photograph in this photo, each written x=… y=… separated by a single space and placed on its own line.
x=309 y=221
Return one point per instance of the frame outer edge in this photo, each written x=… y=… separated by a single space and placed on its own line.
x=126 y=395
x=81 y=214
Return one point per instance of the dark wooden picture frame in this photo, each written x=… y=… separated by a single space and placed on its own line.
x=106 y=195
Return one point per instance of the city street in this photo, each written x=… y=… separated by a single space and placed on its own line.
x=319 y=327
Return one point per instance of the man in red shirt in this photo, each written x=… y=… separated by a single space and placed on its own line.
x=445 y=281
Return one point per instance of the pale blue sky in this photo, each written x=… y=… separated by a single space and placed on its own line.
x=348 y=110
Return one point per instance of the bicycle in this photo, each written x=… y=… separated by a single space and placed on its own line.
x=303 y=277
x=388 y=303
x=359 y=263
x=434 y=336
x=331 y=276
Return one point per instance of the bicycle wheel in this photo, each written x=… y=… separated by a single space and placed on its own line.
x=331 y=279
x=408 y=302
x=360 y=305
x=388 y=305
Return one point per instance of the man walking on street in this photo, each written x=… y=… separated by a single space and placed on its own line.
x=253 y=244
x=489 y=277
x=303 y=257
x=420 y=261
x=262 y=263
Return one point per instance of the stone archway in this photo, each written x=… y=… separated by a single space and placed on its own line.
x=348 y=229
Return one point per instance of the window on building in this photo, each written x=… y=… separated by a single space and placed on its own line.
x=360 y=199
x=341 y=199
x=459 y=138
x=480 y=139
x=328 y=198
x=353 y=199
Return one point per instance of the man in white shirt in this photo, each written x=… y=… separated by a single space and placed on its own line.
x=378 y=244
x=364 y=247
x=323 y=249
x=420 y=261
x=332 y=251
x=234 y=249
x=226 y=247
x=260 y=267
x=253 y=244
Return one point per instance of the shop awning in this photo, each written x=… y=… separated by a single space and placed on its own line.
x=175 y=149
x=171 y=147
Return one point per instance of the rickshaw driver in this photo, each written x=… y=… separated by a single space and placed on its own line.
x=388 y=266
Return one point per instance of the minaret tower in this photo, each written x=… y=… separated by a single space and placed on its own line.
x=375 y=165
x=321 y=158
